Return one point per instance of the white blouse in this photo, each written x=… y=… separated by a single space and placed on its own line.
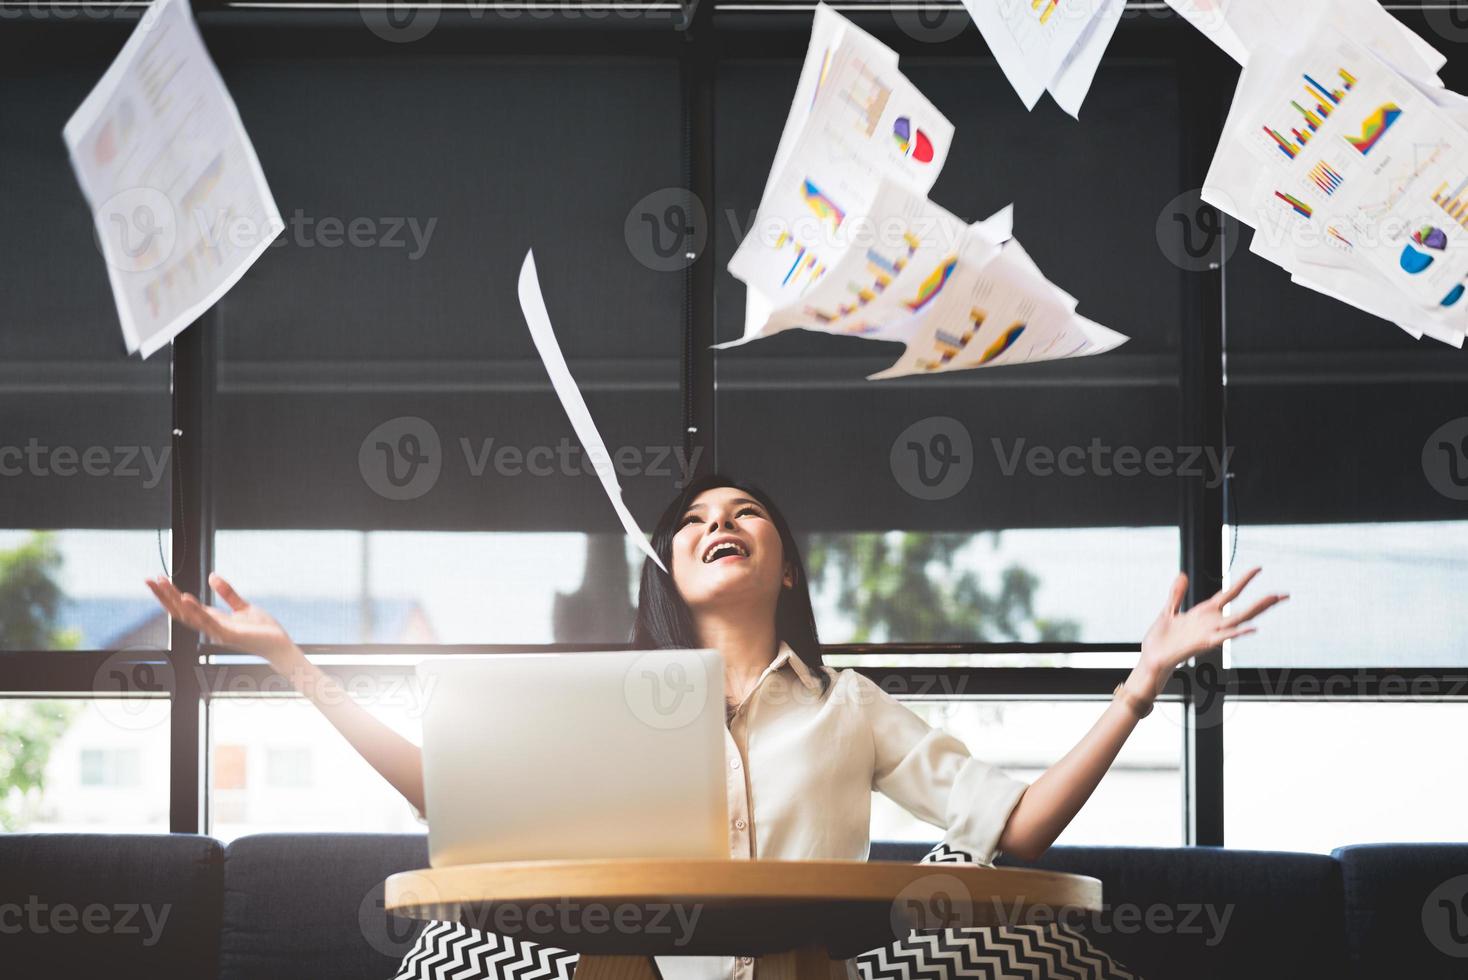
x=802 y=765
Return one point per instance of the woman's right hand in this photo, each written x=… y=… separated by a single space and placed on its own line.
x=247 y=628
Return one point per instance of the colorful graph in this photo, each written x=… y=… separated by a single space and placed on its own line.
x=1323 y=101
x=1454 y=294
x=912 y=141
x=867 y=96
x=199 y=191
x=949 y=346
x=1046 y=8
x=879 y=273
x=1300 y=207
x=933 y=285
x=1003 y=343
x=1414 y=262
x=822 y=205
x=821 y=78
x=1453 y=202
x=1335 y=238
x=1325 y=178
x=1430 y=236
x=804 y=266
x=1374 y=127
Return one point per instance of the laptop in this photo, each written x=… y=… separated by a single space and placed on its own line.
x=530 y=757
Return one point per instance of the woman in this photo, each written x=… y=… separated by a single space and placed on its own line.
x=824 y=738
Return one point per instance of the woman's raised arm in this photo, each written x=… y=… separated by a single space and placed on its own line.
x=1053 y=800
x=251 y=629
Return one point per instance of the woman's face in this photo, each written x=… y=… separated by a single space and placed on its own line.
x=727 y=550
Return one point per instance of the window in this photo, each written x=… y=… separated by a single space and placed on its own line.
x=1314 y=777
x=1138 y=803
x=84 y=765
x=373 y=453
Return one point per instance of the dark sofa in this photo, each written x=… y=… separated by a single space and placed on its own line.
x=309 y=907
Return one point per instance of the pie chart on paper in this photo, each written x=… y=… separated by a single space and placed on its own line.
x=912 y=141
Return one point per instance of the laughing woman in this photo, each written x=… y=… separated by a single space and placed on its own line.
x=810 y=761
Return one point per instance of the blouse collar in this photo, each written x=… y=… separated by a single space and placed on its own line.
x=801 y=668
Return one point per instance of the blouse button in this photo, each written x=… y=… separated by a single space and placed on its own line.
x=734 y=763
x=739 y=824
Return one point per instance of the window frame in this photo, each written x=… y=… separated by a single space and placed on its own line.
x=758 y=30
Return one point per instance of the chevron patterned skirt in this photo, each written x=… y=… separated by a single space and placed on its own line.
x=448 y=951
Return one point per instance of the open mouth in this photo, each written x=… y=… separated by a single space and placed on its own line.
x=724 y=549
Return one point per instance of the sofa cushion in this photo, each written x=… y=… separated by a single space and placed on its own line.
x=1202 y=913
x=109 y=905
x=1406 y=909
x=309 y=906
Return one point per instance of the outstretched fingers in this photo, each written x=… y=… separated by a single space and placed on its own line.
x=1175 y=597
x=1225 y=596
x=1253 y=610
x=226 y=592
x=1220 y=636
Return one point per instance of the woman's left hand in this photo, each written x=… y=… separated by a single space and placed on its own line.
x=1177 y=635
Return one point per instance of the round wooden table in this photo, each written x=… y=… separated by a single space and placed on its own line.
x=804 y=917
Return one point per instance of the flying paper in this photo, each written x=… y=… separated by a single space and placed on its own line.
x=1354 y=175
x=532 y=304
x=1242 y=26
x=180 y=204
x=847 y=242
x=855 y=122
x=1047 y=44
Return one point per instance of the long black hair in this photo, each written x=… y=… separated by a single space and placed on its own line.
x=664 y=619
